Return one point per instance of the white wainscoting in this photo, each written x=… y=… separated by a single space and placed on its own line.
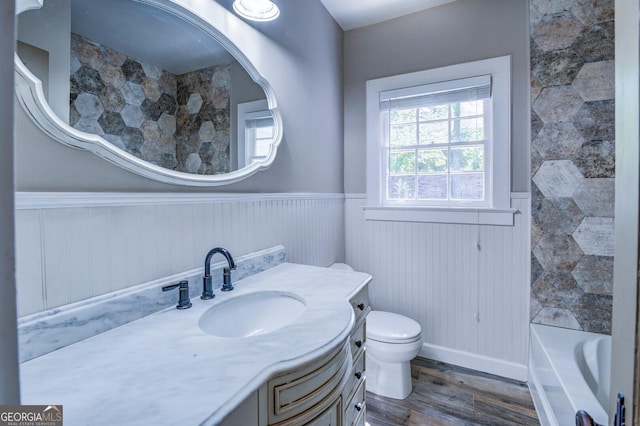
x=434 y=273
x=72 y=246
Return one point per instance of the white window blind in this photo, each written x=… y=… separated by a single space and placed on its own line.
x=468 y=89
x=258 y=122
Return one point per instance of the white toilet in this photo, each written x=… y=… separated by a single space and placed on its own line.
x=392 y=341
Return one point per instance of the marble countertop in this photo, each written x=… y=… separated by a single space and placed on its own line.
x=162 y=369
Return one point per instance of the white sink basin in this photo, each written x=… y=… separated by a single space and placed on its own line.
x=251 y=314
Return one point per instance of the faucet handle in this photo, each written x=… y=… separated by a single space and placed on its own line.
x=184 y=302
x=170 y=287
x=226 y=279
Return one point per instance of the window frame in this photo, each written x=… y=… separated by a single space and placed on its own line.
x=252 y=136
x=245 y=139
x=497 y=209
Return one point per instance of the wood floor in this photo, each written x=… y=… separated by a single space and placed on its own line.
x=445 y=395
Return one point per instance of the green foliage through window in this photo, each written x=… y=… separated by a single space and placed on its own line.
x=432 y=160
x=468 y=159
x=402 y=162
x=439 y=148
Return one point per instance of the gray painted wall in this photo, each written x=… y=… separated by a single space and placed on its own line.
x=9 y=388
x=244 y=90
x=429 y=39
x=49 y=29
x=300 y=54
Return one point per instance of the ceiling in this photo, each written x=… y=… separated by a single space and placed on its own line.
x=352 y=14
x=115 y=23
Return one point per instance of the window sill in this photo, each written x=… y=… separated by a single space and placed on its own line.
x=472 y=216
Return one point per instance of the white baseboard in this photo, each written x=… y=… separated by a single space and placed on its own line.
x=475 y=362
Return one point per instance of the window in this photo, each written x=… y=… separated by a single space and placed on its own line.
x=438 y=144
x=258 y=133
x=435 y=143
x=255 y=132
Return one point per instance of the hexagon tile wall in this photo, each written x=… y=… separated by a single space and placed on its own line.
x=572 y=119
x=177 y=122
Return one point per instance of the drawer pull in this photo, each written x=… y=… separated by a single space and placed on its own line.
x=359 y=406
x=358 y=374
x=359 y=343
x=361 y=306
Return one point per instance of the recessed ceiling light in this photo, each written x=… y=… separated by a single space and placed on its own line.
x=256 y=10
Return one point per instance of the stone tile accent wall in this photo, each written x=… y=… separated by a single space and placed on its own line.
x=572 y=119
x=177 y=122
x=203 y=120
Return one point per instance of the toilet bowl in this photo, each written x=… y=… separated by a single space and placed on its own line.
x=392 y=341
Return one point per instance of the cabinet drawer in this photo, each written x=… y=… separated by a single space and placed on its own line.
x=355 y=406
x=357 y=340
x=332 y=416
x=299 y=391
x=360 y=303
x=356 y=377
x=361 y=419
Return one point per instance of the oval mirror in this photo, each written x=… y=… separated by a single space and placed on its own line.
x=150 y=85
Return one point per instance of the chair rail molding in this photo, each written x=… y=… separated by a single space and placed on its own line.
x=43 y=200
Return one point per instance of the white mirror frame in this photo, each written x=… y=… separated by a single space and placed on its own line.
x=209 y=17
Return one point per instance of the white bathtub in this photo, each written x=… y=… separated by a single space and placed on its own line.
x=569 y=370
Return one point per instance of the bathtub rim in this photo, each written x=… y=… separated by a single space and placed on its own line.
x=565 y=370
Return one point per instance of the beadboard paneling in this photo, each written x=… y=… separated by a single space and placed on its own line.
x=76 y=251
x=434 y=274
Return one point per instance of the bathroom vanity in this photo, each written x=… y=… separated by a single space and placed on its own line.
x=172 y=368
x=326 y=391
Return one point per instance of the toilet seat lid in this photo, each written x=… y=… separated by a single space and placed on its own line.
x=390 y=327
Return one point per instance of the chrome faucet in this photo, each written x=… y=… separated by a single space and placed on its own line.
x=207 y=285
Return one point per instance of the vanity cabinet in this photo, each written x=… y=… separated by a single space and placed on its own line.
x=329 y=391
x=354 y=391
x=301 y=396
x=330 y=417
